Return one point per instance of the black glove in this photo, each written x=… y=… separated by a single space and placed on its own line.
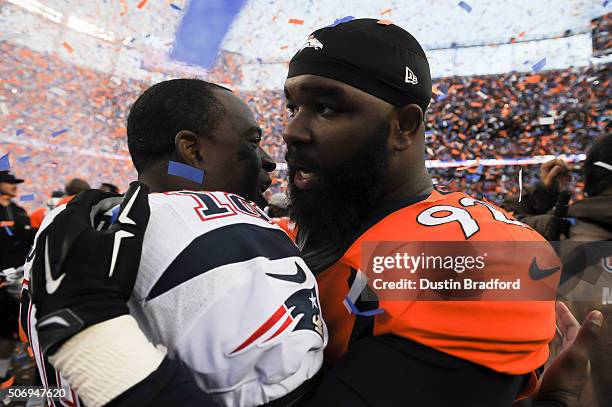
x=82 y=276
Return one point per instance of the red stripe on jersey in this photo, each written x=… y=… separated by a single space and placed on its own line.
x=278 y=314
x=284 y=326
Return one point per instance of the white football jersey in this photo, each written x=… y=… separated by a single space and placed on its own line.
x=227 y=292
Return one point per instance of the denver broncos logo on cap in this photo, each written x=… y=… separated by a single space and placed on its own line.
x=312 y=42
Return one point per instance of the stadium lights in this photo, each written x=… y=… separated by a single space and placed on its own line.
x=58 y=17
x=39 y=8
x=90 y=29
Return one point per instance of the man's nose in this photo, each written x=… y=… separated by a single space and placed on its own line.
x=297 y=130
x=267 y=163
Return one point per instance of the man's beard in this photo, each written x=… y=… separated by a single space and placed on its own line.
x=336 y=206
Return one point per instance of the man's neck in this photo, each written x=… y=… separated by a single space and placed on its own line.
x=408 y=189
x=5 y=201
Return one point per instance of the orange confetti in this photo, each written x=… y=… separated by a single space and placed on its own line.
x=521 y=34
x=387 y=11
x=274 y=18
x=384 y=22
x=533 y=79
x=141 y=4
x=124 y=7
x=285 y=47
x=296 y=21
x=68 y=47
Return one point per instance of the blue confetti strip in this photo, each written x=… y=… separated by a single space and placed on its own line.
x=24 y=159
x=537 y=67
x=355 y=311
x=24 y=198
x=8 y=231
x=58 y=133
x=606 y=2
x=19 y=132
x=5 y=165
x=185 y=171
x=174 y=6
x=340 y=21
x=465 y=6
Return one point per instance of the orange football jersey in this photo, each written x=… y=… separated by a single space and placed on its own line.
x=506 y=336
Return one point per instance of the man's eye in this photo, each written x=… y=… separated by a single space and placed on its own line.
x=325 y=109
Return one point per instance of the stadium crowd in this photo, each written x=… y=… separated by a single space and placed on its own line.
x=60 y=121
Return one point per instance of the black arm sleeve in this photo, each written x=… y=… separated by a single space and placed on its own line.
x=170 y=385
x=536 y=200
x=393 y=371
x=376 y=371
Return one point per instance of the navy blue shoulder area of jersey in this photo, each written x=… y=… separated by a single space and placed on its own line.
x=226 y=245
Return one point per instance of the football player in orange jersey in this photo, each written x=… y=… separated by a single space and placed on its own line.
x=357 y=173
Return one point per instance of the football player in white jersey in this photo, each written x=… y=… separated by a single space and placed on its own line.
x=220 y=286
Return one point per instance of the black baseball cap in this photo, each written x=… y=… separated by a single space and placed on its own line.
x=375 y=56
x=9 y=178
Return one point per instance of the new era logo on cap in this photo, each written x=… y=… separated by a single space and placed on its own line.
x=411 y=77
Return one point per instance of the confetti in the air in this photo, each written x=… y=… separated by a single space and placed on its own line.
x=141 y=4
x=537 y=67
x=340 y=21
x=58 y=133
x=18 y=132
x=185 y=171
x=68 y=47
x=387 y=11
x=25 y=198
x=296 y=21
x=8 y=231
x=384 y=22
x=174 y=6
x=546 y=120
x=465 y=6
x=5 y=165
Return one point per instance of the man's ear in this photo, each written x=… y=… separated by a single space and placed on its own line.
x=405 y=124
x=187 y=146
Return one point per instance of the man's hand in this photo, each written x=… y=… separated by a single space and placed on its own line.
x=555 y=174
x=82 y=276
x=565 y=378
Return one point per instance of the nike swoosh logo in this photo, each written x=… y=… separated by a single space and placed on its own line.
x=53 y=320
x=50 y=284
x=123 y=216
x=537 y=273
x=120 y=234
x=299 y=277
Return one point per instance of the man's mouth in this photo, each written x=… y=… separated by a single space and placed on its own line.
x=305 y=178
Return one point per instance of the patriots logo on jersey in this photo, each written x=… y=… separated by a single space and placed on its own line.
x=606 y=263
x=302 y=306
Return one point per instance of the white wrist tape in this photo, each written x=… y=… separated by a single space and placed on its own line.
x=106 y=359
